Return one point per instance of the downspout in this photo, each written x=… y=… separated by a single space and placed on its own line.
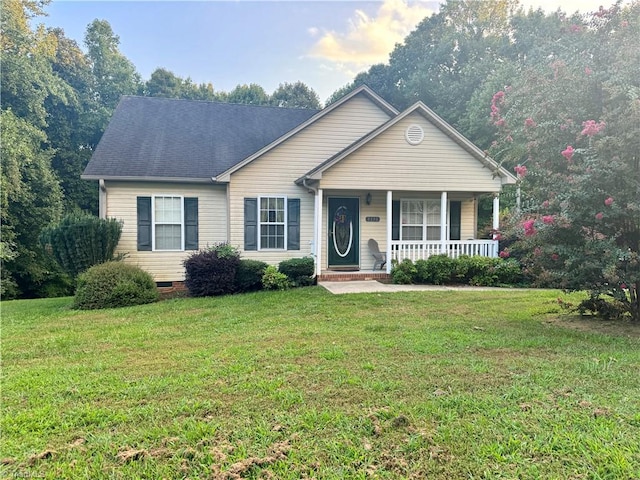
x=102 y=199
x=214 y=180
x=316 y=235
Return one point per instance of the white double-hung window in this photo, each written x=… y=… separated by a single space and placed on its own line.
x=420 y=220
x=273 y=214
x=168 y=223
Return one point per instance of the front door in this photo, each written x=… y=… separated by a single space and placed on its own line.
x=344 y=232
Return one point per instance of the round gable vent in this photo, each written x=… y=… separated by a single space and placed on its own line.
x=414 y=134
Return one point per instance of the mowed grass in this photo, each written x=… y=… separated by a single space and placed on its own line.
x=305 y=384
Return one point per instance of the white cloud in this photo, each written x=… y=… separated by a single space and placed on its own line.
x=369 y=39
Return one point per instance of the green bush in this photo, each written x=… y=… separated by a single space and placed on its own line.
x=275 y=280
x=225 y=250
x=114 y=284
x=249 y=275
x=423 y=274
x=81 y=240
x=468 y=270
x=299 y=270
x=212 y=271
x=509 y=272
x=475 y=270
x=439 y=269
x=404 y=273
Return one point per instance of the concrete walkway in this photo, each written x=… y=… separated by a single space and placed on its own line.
x=372 y=286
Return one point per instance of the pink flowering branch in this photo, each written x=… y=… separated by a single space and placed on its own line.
x=529 y=227
x=568 y=153
x=590 y=128
x=520 y=170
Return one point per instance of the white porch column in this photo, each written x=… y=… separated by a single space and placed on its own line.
x=496 y=213
x=496 y=222
x=318 y=231
x=389 y=227
x=443 y=222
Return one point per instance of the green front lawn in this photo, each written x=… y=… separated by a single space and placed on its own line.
x=304 y=384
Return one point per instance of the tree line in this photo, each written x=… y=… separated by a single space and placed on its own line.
x=56 y=102
x=554 y=97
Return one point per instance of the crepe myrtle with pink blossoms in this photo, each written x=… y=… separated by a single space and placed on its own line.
x=569 y=120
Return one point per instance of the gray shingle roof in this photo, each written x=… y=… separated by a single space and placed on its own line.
x=168 y=138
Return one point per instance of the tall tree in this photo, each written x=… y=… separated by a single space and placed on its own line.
x=73 y=130
x=31 y=198
x=31 y=195
x=27 y=78
x=114 y=74
x=252 y=94
x=164 y=83
x=295 y=95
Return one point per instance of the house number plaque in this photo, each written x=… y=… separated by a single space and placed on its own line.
x=372 y=219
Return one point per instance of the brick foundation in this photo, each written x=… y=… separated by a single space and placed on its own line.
x=169 y=289
x=353 y=276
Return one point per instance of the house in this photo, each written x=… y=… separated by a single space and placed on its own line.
x=282 y=183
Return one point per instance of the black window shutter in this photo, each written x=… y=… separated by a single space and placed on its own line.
x=455 y=208
x=293 y=224
x=190 y=223
x=395 y=220
x=144 y=223
x=250 y=223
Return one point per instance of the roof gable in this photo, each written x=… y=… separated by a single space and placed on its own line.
x=434 y=119
x=160 y=138
x=362 y=90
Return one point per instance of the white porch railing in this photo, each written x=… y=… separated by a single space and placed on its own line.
x=421 y=250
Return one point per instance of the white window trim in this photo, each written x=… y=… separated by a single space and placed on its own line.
x=285 y=223
x=424 y=218
x=153 y=222
x=402 y=225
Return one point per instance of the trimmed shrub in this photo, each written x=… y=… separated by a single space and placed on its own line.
x=275 y=280
x=114 y=284
x=476 y=270
x=423 y=274
x=211 y=272
x=509 y=272
x=469 y=270
x=81 y=240
x=404 y=273
x=249 y=275
x=299 y=270
x=440 y=269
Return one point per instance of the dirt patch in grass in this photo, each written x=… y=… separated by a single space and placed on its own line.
x=619 y=328
x=240 y=469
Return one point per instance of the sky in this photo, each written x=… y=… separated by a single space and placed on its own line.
x=321 y=43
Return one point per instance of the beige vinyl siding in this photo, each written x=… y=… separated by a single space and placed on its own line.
x=389 y=162
x=166 y=266
x=274 y=173
x=468 y=216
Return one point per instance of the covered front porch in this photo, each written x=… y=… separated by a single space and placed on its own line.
x=405 y=224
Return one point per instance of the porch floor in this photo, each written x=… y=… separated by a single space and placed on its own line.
x=348 y=276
